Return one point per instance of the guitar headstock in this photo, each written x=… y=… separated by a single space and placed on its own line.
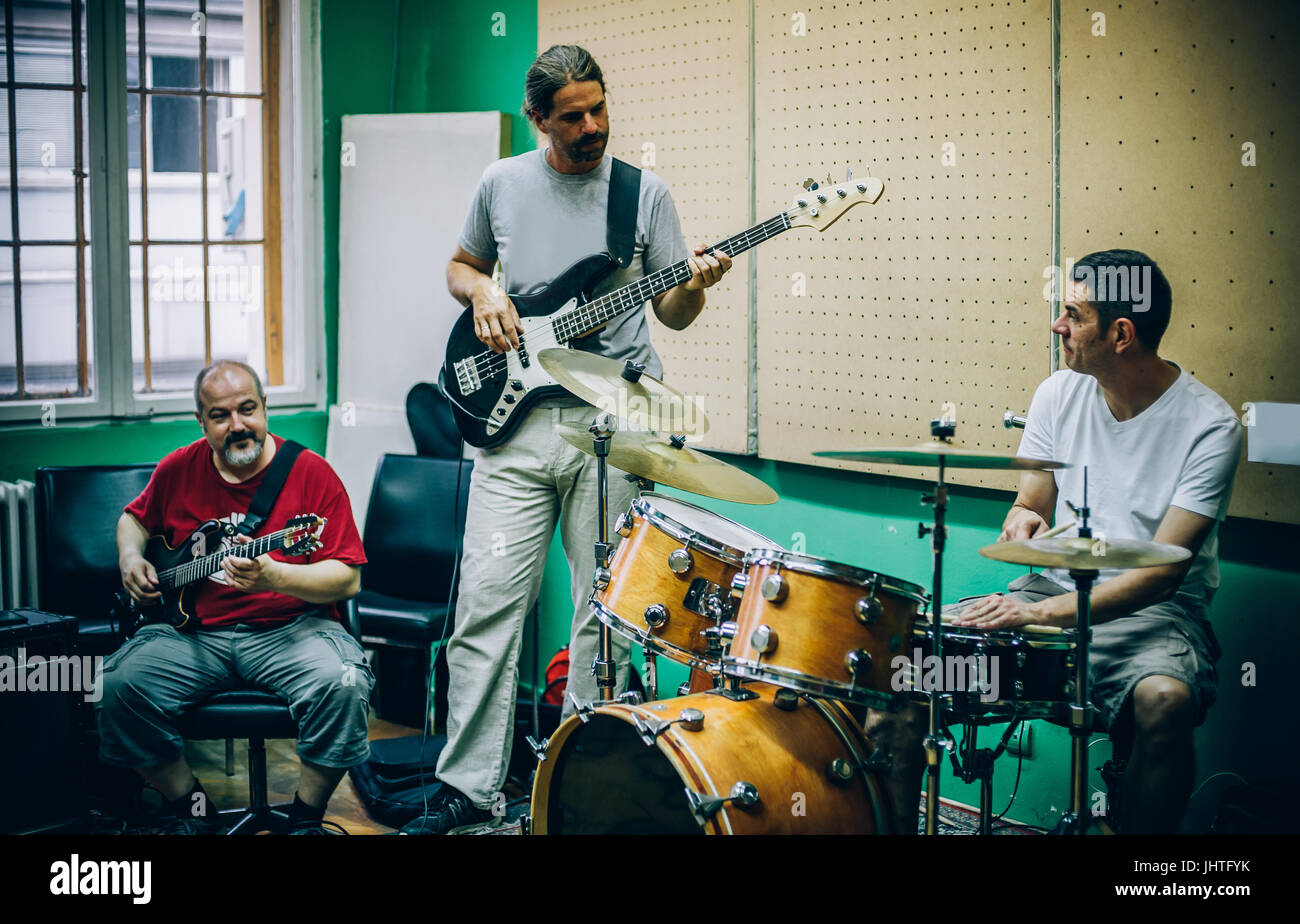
x=302 y=534
x=820 y=204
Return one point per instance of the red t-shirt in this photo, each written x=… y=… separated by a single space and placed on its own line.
x=186 y=490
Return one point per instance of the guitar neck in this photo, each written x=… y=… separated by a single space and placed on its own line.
x=207 y=565
x=578 y=322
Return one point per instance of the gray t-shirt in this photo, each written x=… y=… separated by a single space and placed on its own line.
x=538 y=222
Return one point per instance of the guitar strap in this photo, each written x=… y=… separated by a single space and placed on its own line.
x=620 y=220
x=264 y=498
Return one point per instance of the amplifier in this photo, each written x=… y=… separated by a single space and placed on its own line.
x=41 y=683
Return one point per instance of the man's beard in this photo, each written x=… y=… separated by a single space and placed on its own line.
x=241 y=457
x=582 y=152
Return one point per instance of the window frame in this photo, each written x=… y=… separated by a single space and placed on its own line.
x=297 y=151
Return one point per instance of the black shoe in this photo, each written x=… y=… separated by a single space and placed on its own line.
x=318 y=827
x=187 y=825
x=452 y=810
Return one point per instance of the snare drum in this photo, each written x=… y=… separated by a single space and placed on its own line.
x=1027 y=672
x=670 y=577
x=775 y=764
x=820 y=627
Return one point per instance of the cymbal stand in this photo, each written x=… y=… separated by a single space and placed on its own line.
x=936 y=739
x=603 y=667
x=1075 y=821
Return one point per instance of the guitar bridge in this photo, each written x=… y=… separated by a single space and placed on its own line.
x=467 y=376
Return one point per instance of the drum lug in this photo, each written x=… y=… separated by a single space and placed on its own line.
x=1019 y=687
x=538 y=747
x=774 y=588
x=656 y=616
x=743 y=794
x=650 y=729
x=600 y=580
x=680 y=561
x=738 y=583
x=868 y=610
x=786 y=700
x=763 y=639
x=623 y=525
x=631 y=698
x=858 y=663
x=840 y=770
x=1021 y=658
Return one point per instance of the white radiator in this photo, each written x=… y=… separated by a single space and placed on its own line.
x=17 y=544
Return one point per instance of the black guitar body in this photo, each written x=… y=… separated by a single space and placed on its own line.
x=177 y=606
x=491 y=392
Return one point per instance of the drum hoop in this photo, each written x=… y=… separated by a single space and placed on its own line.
x=788 y=677
x=1002 y=638
x=643 y=505
x=825 y=567
x=665 y=648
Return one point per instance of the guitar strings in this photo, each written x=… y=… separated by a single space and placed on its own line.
x=488 y=364
x=192 y=570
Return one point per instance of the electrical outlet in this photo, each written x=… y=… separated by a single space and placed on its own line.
x=1019 y=744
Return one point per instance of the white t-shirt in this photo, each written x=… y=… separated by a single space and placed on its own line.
x=1182 y=451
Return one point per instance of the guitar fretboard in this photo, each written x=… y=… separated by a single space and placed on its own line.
x=199 y=568
x=576 y=323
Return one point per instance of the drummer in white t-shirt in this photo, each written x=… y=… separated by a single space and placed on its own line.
x=1161 y=450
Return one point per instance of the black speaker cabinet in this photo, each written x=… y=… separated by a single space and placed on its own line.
x=41 y=683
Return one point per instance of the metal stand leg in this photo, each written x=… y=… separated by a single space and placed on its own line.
x=651 y=676
x=602 y=431
x=937 y=740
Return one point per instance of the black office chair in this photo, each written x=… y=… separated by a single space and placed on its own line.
x=77 y=509
x=413 y=527
x=257 y=715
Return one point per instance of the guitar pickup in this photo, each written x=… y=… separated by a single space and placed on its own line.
x=467 y=376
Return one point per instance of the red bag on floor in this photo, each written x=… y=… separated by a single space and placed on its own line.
x=557 y=676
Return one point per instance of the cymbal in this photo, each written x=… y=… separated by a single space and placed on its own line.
x=650 y=456
x=646 y=404
x=952 y=454
x=1079 y=554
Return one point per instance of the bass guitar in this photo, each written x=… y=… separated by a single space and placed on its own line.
x=491 y=392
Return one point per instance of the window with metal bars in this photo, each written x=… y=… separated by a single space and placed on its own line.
x=199 y=108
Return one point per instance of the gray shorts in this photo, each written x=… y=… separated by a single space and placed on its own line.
x=1169 y=639
x=313 y=663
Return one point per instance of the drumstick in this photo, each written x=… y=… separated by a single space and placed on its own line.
x=1056 y=530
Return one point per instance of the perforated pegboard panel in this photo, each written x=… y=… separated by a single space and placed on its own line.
x=1154 y=116
x=677 y=82
x=934 y=294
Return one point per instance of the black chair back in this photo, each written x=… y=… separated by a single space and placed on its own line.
x=432 y=425
x=413 y=526
x=77 y=509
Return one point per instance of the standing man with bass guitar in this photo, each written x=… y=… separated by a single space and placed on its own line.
x=539 y=213
x=261 y=621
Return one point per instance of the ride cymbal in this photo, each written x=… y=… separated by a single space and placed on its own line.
x=645 y=403
x=655 y=458
x=1077 y=553
x=929 y=454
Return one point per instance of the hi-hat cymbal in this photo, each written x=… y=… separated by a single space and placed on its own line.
x=650 y=456
x=1079 y=554
x=952 y=454
x=647 y=403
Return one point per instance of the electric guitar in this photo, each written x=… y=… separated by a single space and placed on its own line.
x=490 y=392
x=180 y=569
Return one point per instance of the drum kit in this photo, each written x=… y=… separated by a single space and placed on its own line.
x=787 y=650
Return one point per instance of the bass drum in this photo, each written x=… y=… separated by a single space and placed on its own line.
x=778 y=763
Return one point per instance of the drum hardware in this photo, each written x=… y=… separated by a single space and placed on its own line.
x=600 y=578
x=869 y=609
x=840 y=770
x=704 y=598
x=582 y=710
x=743 y=795
x=651 y=728
x=774 y=588
x=764 y=640
x=680 y=561
x=858 y=663
x=651 y=673
x=602 y=431
x=976 y=764
x=537 y=747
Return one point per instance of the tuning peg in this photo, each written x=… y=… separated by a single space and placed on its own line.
x=829 y=181
x=848 y=174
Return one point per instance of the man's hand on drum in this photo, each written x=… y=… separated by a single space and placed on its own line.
x=495 y=320
x=1022 y=523
x=706 y=268
x=999 y=612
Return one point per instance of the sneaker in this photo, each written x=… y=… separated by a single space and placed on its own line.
x=318 y=827
x=452 y=810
